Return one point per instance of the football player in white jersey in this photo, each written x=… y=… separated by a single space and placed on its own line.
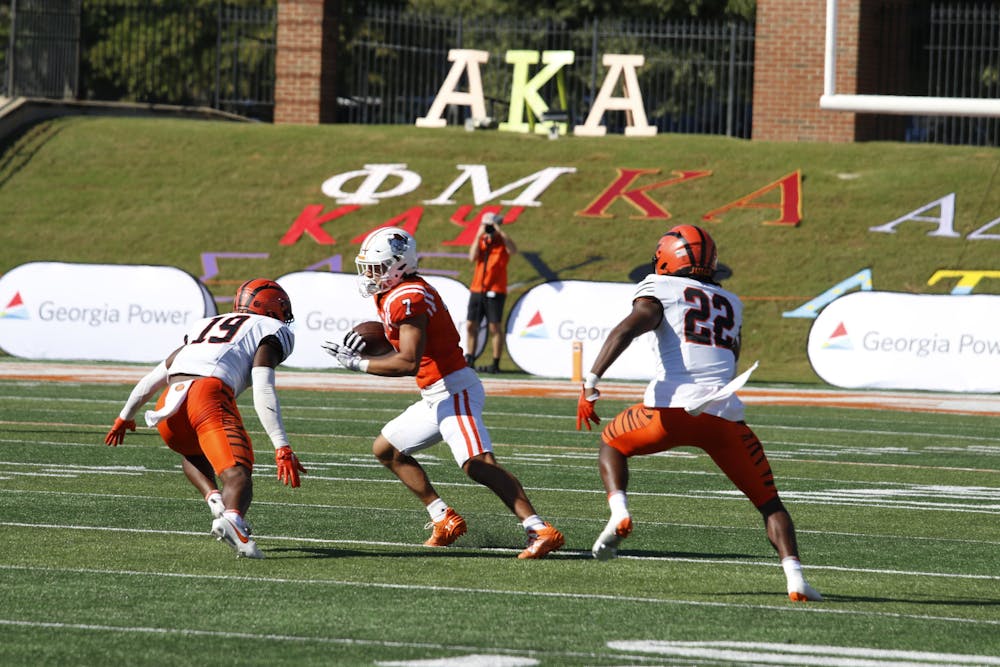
x=691 y=399
x=196 y=413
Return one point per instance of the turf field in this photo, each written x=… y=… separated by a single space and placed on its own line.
x=105 y=555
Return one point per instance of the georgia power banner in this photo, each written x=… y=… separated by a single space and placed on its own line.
x=113 y=312
x=548 y=319
x=888 y=340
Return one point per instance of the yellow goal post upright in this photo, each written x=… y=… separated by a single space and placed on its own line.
x=577 y=361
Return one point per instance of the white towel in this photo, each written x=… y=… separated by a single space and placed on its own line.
x=175 y=396
x=722 y=393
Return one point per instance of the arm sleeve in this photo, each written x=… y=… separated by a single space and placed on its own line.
x=151 y=383
x=265 y=402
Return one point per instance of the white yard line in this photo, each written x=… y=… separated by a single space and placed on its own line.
x=562 y=554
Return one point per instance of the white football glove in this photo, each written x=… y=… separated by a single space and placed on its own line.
x=354 y=341
x=347 y=357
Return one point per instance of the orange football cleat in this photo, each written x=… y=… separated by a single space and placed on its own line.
x=447 y=530
x=542 y=541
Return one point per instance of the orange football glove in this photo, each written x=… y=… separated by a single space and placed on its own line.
x=289 y=466
x=116 y=435
x=585 y=412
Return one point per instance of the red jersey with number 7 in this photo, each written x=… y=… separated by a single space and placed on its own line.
x=442 y=348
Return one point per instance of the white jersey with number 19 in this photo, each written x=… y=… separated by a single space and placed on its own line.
x=224 y=347
x=697 y=342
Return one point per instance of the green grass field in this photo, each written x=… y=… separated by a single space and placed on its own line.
x=105 y=556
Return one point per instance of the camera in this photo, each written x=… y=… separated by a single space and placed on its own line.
x=490 y=223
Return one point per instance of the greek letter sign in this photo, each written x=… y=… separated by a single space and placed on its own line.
x=888 y=340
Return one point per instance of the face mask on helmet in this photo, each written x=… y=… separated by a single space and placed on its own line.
x=686 y=250
x=264 y=297
x=386 y=257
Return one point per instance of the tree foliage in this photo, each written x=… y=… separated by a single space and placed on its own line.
x=573 y=11
x=190 y=52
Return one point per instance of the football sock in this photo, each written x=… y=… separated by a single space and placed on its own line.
x=793 y=571
x=237 y=518
x=469 y=359
x=215 y=502
x=533 y=522
x=437 y=509
x=618 y=503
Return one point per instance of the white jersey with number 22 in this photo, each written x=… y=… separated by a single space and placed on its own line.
x=696 y=343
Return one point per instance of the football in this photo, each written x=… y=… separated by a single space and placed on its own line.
x=376 y=344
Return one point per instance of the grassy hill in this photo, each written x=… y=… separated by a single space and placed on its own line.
x=166 y=191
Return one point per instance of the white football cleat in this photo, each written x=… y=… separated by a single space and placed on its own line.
x=227 y=531
x=215 y=505
x=606 y=546
x=803 y=592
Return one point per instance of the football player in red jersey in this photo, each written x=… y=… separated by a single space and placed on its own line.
x=427 y=345
x=196 y=413
x=690 y=401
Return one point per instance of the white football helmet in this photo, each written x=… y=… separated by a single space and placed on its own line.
x=386 y=255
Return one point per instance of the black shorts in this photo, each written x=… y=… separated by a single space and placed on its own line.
x=491 y=306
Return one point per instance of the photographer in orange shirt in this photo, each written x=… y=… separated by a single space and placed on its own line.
x=490 y=251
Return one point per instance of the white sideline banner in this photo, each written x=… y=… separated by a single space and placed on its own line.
x=549 y=318
x=101 y=312
x=328 y=305
x=888 y=340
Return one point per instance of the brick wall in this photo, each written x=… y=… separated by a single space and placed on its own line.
x=788 y=71
x=305 y=64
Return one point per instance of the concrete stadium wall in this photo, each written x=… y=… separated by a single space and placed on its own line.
x=18 y=114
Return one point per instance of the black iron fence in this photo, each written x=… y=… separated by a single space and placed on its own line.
x=963 y=60
x=212 y=53
x=697 y=77
x=53 y=27
x=4 y=42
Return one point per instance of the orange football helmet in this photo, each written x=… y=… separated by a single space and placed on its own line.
x=264 y=297
x=686 y=250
